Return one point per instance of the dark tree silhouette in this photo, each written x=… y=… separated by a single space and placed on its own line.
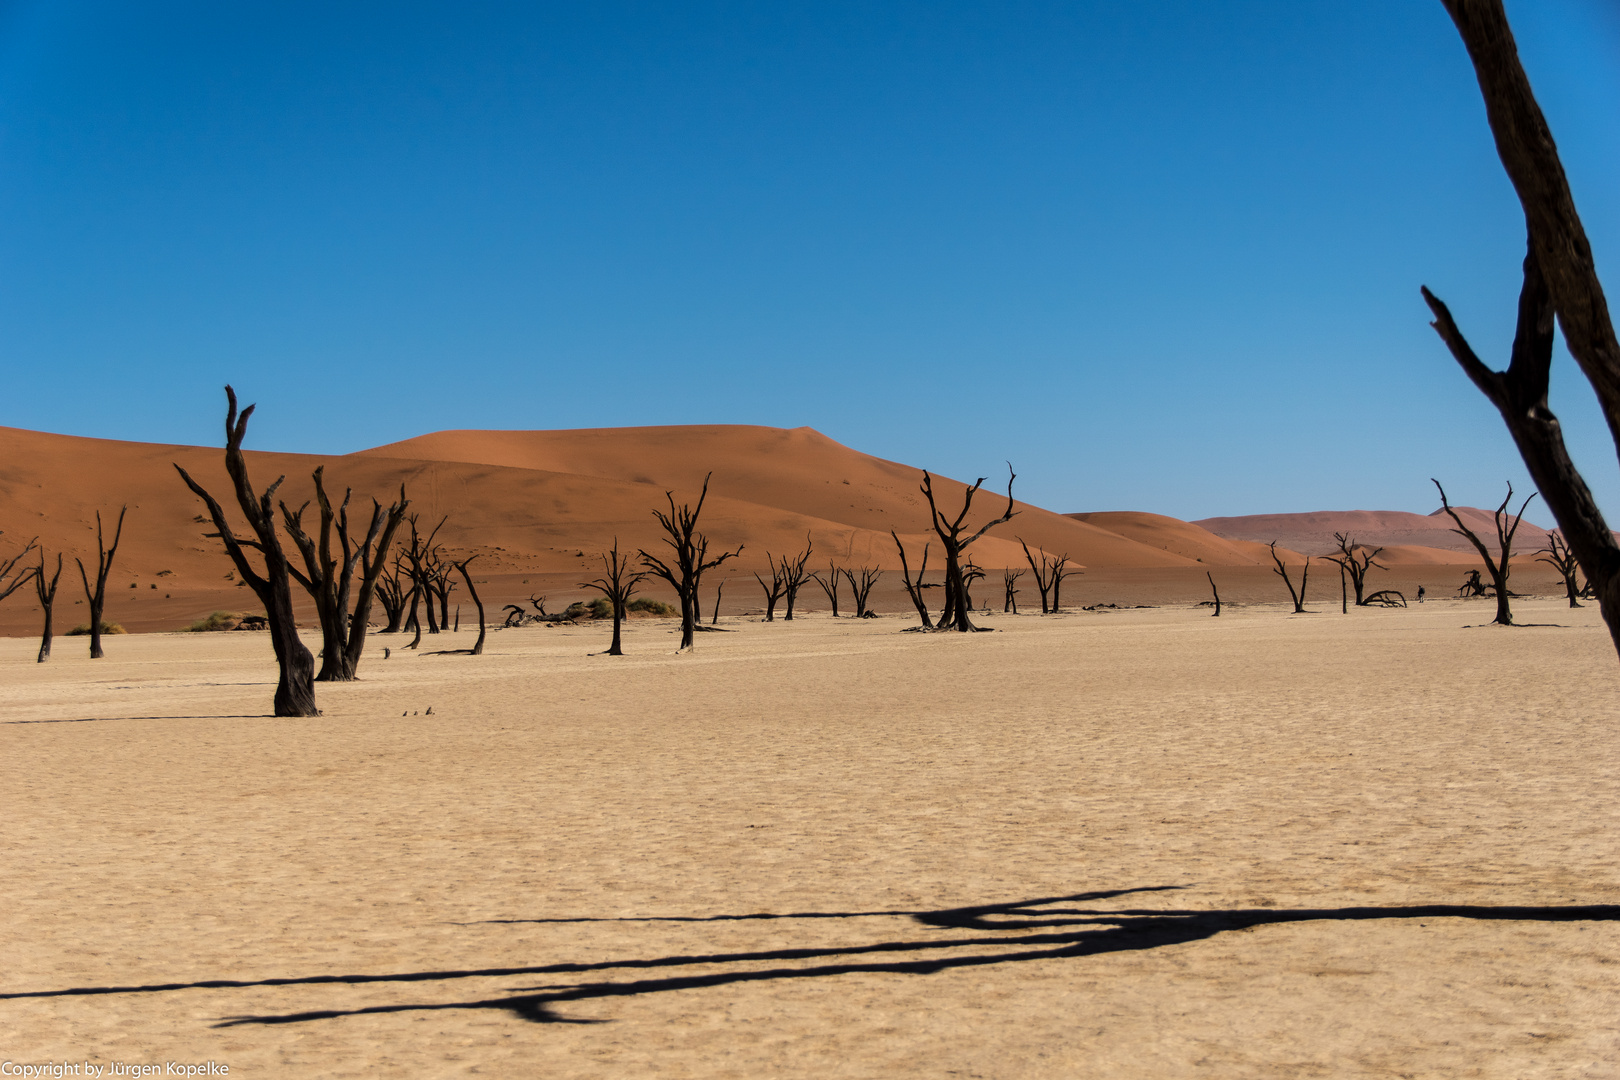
x=689 y=558
x=618 y=584
x=1355 y=560
x=861 y=587
x=47 y=602
x=295 y=688
x=914 y=586
x=794 y=574
x=97 y=597
x=421 y=560
x=773 y=591
x=1282 y=571
x=719 y=591
x=12 y=578
x=328 y=577
x=1558 y=556
x=478 y=646
x=1560 y=278
x=1009 y=581
x=1498 y=567
x=949 y=531
x=970 y=573
x=1049 y=575
x=393 y=593
x=829 y=585
x=1216 y=592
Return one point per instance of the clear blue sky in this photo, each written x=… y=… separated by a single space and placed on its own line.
x=1163 y=256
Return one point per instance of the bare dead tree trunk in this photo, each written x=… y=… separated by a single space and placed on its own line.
x=97 y=597
x=949 y=531
x=1009 y=579
x=47 y=601
x=689 y=560
x=1355 y=560
x=1556 y=555
x=714 y=616
x=1043 y=577
x=1215 y=591
x=391 y=594
x=329 y=577
x=1498 y=567
x=829 y=585
x=295 y=689
x=1560 y=278
x=11 y=578
x=618 y=584
x=1282 y=572
x=914 y=586
x=1344 y=592
x=862 y=588
x=1060 y=570
x=773 y=591
x=794 y=574
x=478 y=646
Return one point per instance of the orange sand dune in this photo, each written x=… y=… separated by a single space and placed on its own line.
x=1185 y=539
x=800 y=471
x=518 y=516
x=1313 y=533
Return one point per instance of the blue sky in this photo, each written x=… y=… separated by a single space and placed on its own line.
x=1162 y=256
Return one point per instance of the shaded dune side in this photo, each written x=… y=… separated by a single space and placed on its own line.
x=1185 y=539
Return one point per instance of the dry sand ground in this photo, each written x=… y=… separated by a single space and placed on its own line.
x=750 y=861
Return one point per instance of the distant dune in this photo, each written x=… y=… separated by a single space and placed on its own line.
x=1407 y=538
x=534 y=503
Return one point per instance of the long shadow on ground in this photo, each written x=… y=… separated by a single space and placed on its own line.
x=1020 y=932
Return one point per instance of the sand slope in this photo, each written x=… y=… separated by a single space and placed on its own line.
x=1312 y=533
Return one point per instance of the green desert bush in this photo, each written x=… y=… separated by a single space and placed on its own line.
x=219 y=620
x=83 y=629
x=651 y=607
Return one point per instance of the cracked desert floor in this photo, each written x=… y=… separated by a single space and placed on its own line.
x=1140 y=843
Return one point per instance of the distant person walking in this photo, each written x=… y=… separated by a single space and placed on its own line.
x=1420 y=594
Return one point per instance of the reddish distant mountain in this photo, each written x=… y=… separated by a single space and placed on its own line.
x=1393 y=529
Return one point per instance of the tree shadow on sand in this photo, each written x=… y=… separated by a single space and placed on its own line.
x=1042 y=929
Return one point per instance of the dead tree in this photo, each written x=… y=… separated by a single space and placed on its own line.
x=1558 y=556
x=1356 y=560
x=393 y=594
x=1282 y=571
x=773 y=591
x=1009 y=579
x=1560 y=278
x=829 y=585
x=949 y=531
x=794 y=573
x=970 y=574
x=1498 y=567
x=295 y=688
x=97 y=597
x=328 y=577
x=1060 y=570
x=862 y=588
x=1472 y=586
x=1215 y=591
x=719 y=590
x=11 y=578
x=618 y=584
x=914 y=586
x=47 y=601
x=1045 y=574
x=689 y=560
x=478 y=646
x=420 y=561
